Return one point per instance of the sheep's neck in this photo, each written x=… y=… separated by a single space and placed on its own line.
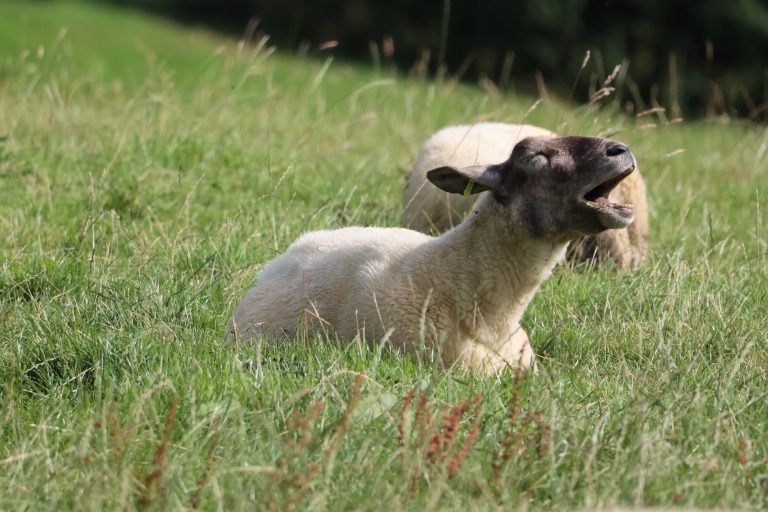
x=492 y=263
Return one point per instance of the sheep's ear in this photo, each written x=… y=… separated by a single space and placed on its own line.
x=467 y=180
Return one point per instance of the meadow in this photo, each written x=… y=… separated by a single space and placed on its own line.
x=148 y=171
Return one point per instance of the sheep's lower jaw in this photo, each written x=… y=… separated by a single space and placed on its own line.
x=612 y=215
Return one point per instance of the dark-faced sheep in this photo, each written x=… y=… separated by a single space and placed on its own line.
x=460 y=295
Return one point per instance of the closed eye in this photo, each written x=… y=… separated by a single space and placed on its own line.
x=538 y=159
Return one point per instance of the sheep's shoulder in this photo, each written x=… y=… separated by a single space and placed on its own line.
x=363 y=241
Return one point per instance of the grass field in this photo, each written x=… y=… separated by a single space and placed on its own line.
x=148 y=171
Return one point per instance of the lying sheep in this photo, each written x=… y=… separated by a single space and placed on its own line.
x=430 y=210
x=459 y=295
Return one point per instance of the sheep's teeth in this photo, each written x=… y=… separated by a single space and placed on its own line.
x=608 y=204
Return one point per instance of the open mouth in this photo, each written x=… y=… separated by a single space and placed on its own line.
x=598 y=196
x=612 y=215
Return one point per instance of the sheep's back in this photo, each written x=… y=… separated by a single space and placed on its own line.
x=316 y=278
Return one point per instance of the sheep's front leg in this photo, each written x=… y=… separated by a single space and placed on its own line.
x=515 y=354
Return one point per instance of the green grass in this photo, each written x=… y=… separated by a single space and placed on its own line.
x=147 y=173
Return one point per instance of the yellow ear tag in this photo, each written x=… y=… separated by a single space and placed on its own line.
x=468 y=188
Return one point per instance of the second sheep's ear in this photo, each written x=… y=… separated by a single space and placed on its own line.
x=467 y=180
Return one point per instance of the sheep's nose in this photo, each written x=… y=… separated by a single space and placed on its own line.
x=616 y=149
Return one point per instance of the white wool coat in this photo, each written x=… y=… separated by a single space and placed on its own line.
x=459 y=296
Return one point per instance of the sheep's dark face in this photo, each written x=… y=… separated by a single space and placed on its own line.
x=565 y=183
x=559 y=187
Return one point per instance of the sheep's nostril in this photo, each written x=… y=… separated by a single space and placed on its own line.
x=616 y=149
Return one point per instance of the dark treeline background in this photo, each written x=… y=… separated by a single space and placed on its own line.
x=693 y=57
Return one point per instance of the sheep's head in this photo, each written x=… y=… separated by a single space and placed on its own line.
x=558 y=187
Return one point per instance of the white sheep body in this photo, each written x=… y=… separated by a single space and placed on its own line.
x=416 y=289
